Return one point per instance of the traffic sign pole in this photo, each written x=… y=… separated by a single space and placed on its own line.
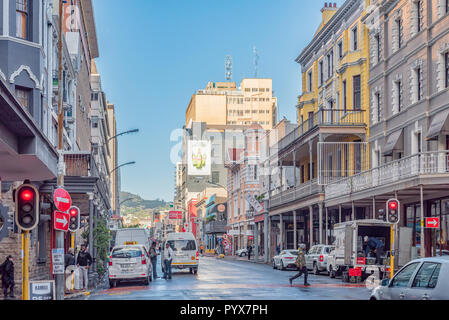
x=25 y=264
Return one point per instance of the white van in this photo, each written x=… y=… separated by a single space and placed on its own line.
x=133 y=236
x=185 y=251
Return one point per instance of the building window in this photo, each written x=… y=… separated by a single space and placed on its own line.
x=23 y=96
x=354 y=39
x=419 y=17
x=418 y=84
x=321 y=72
x=21 y=19
x=357 y=92
x=446 y=68
x=309 y=80
x=215 y=177
x=344 y=96
x=399 y=33
x=378 y=54
x=398 y=85
x=340 y=49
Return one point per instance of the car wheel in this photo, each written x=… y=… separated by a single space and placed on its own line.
x=274 y=265
x=112 y=283
x=282 y=265
x=316 y=271
x=146 y=281
x=195 y=271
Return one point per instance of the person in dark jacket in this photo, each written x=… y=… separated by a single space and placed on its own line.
x=69 y=264
x=250 y=251
x=8 y=277
x=83 y=261
x=375 y=245
x=153 y=258
x=301 y=264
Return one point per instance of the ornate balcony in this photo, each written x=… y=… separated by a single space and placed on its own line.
x=296 y=193
x=422 y=164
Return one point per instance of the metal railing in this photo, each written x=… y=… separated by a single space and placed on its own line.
x=324 y=117
x=296 y=193
x=425 y=163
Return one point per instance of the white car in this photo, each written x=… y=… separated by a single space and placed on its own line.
x=285 y=260
x=421 y=279
x=129 y=263
x=242 y=252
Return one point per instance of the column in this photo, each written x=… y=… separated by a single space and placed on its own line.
x=320 y=221
x=281 y=169
x=311 y=226
x=339 y=213
x=266 y=237
x=281 y=228
x=294 y=169
x=327 y=226
x=91 y=224
x=269 y=241
x=256 y=241
x=353 y=211
x=295 y=236
x=374 y=208
x=423 y=235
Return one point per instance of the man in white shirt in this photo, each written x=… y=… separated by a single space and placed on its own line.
x=168 y=257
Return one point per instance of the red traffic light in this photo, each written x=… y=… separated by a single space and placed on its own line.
x=73 y=212
x=393 y=205
x=26 y=195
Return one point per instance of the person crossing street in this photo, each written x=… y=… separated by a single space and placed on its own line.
x=7 y=271
x=301 y=264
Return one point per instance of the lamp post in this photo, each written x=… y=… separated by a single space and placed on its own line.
x=123 y=133
x=122 y=165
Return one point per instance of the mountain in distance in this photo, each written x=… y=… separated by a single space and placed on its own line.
x=140 y=207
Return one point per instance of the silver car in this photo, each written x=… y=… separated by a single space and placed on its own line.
x=422 y=279
x=316 y=258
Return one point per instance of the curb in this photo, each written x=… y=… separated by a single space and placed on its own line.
x=76 y=295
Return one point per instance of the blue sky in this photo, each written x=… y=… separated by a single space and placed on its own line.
x=154 y=54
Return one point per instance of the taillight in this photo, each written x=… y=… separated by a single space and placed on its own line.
x=144 y=261
x=321 y=258
x=197 y=256
x=110 y=260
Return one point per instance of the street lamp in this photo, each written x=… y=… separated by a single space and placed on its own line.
x=122 y=165
x=123 y=133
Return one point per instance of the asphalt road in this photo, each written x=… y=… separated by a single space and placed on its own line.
x=219 y=279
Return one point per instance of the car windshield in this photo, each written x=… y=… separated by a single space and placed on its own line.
x=126 y=253
x=182 y=245
x=295 y=253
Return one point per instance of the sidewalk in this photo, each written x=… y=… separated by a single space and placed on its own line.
x=76 y=295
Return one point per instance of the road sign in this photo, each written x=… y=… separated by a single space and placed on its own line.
x=432 y=223
x=175 y=215
x=62 y=199
x=58 y=260
x=61 y=221
x=42 y=290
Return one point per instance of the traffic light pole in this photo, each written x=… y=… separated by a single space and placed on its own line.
x=59 y=278
x=392 y=252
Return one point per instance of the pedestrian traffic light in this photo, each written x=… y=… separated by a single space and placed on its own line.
x=26 y=198
x=75 y=219
x=393 y=211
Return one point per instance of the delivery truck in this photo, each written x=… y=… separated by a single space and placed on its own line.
x=349 y=258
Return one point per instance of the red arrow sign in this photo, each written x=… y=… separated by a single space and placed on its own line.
x=61 y=221
x=433 y=223
x=62 y=199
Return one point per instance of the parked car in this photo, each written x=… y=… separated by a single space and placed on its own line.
x=243 y=252
x=421 y=279
x=285 y=260
x=129 y=263
x=316 y=258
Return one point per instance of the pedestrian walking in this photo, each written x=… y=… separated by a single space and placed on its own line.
x=7 y=271
x=153 y=258
x=201 y=249
x=301 y=264
x=168 y=257
x=83 y=261
x=69 y=265
x=250 y=250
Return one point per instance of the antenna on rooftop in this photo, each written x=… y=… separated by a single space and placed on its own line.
x=228 y=68
x=256 y=62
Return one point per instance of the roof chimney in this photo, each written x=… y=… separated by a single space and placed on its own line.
x=328 y=11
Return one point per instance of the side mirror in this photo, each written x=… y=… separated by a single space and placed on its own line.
x=385 y=282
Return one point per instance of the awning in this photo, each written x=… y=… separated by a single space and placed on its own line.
x=438 y=125
x=395 y=142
